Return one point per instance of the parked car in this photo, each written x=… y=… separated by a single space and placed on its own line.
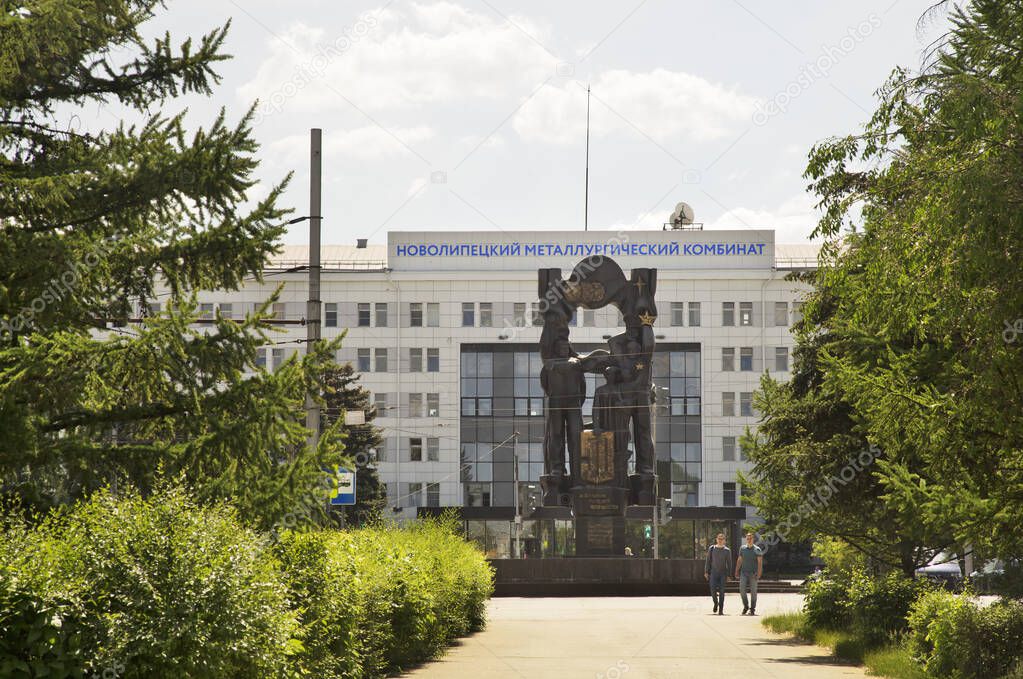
x=943 y=569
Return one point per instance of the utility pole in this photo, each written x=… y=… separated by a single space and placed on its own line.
x=312 y=315
x=516 y=547
x=586 y=189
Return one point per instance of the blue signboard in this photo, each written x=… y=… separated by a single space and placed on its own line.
x=344 y=493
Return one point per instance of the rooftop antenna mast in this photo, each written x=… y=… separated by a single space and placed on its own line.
x=586 y=190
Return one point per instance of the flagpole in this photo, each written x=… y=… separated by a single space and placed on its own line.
x=586 y=190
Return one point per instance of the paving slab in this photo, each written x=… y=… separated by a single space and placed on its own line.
x=632 y=638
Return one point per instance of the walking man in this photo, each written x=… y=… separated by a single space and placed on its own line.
x=719 y=565
x=748 y=569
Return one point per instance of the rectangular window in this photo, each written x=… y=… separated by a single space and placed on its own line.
x=746 y=358
x=415 y=495
x=363 y=314
x=433 y=405
x=433 y=314
x=261 y=358
x=381 y=309
x=728 y=448
x=781 y=359
x=415 y=314
x=781 y=314
x=486 y=314
x=468 y=315
x=278 y=358
x=678 y=312
x=154 y=308
x=206 y=311
x=797 y=312
x=727 y=359
x=727 y=313
x=380 y=402
x=227 y=310
x=363 y=364
x=381 y=360
x=415 y=405
x=746 y=313
x=589 y=318
x=537 y=316
x=279 y=311
x=433 y=360
x=415 y=360
x=433 y=495
x=519 y=312
x=694 y=314
x=415 y=449
x=728 y=494
x=746 y=404
x=330 y=315
x=433 y=449
x=728 y=404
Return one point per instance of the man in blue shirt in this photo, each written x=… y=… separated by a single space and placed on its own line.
x=748 y=569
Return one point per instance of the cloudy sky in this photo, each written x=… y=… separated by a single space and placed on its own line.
x=470 y=115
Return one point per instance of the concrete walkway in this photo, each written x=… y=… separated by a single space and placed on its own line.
x=632 y=638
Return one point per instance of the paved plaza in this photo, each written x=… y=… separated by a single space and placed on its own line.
x=632 y=638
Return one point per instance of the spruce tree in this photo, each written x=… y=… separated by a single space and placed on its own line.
x=91 y=227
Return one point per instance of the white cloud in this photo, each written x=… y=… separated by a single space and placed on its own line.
x=660 y=103
x=401 y=57
x=792 y=220
x=364 y=143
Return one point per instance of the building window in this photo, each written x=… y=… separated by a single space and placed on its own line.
x=154 y=308
x=278 y=358
x=781 y=314
x=433 y=495
x=415 y=405
x=206 y=311
x=477 y=495
x=797 y=312
x=781 y=359
x=728 y=448
x=227 y=310
x=746 y=313
x=486 y=314
x=380 y=402
x=330 y=315
x=746 y=358
x=415 y=360
x=727 y=313
x=677 y=313
x=537 y=316
x=433 y=449
x=381 y=309
x=694 y=314
x=433 y=405
x=746 y=404
x=415 y=449
x=743 y=498
x=363 y=363
x=381 y=360
x=433 y=360
x=261 y=359
x=589 y=318
x=415 y=495
x=415 y=314
x=728 y=404
x=728 y=494
x=433 y=314
x=727 y=359
x=363 y=314
x=519 y=312
x=468 y=314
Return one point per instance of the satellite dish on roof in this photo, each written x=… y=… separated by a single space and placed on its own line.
x=683 y=215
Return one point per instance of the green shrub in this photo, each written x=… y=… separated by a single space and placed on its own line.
x=930 y=606
x=406 y=593
x=878 y=606
x=156 y=587
x=826 y=603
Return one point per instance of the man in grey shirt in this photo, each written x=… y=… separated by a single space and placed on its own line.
x=719 y=565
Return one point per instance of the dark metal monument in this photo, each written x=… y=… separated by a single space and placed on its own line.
x=596 y=484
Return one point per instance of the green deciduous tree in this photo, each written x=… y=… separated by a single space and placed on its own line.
x=91 y=226
x=929 y=280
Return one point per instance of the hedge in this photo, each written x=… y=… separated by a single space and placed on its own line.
x=161 y=587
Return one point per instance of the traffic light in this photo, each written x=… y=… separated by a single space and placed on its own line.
x=648 y=531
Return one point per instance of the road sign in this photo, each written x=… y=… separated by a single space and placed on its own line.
x=345 y=491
